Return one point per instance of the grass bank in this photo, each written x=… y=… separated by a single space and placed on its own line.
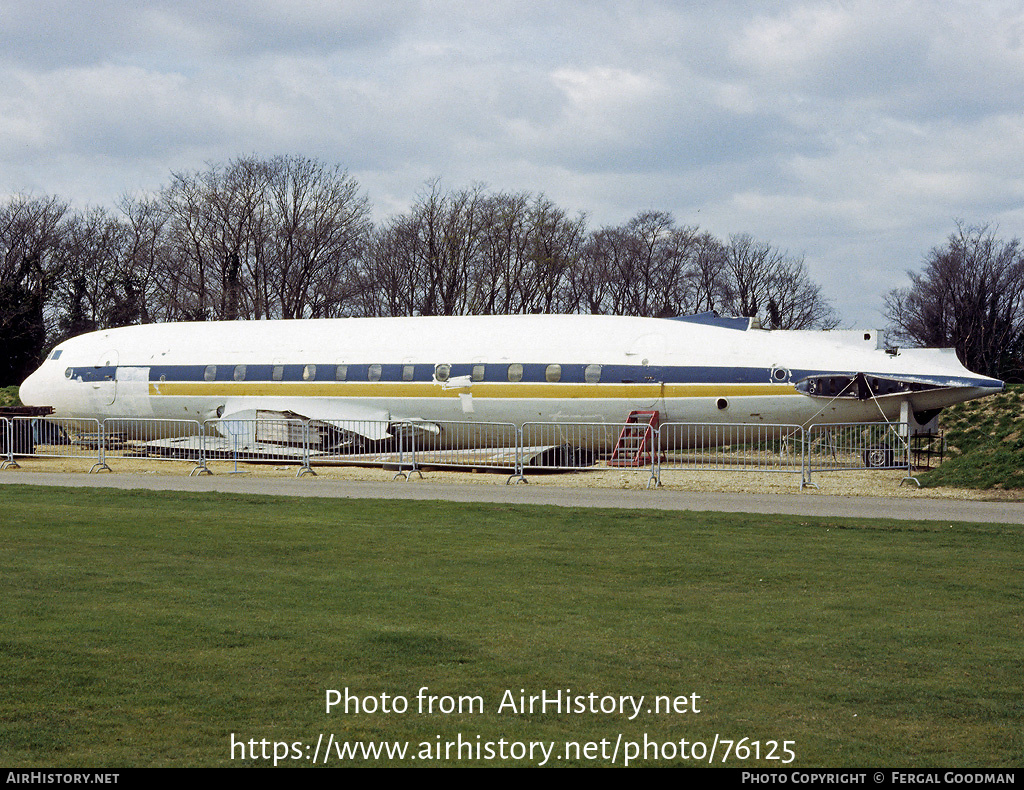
x=985 y=443
x=9 y=396
x=145 y=629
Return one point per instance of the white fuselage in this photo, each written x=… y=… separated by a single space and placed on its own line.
x=565 y=368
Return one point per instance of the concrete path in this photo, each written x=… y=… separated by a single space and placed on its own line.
x=794 y=504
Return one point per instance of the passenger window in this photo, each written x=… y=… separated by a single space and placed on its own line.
x=592 y=374
x=478 y=372
x=210 y=373
x=309 y=373
x=408 y=371
x=239 y=373
x=553 y=373
x=515 y=372
x=277 y=373
x=442 y=372
x=341 y=373
x=374 y=373
x=68 y=373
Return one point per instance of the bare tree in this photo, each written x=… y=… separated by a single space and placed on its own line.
x=388 y=280
x=449 y=238
x=425 y=259
x=763 y=282
x=218 y=232
x=605 y=279
x=645 y=267
x=93 y=252
x=750 y=266
x=498 y=276
x=549 y=247
x=275 y=238
x=970 y=297
x=185 y=276
x=706 y=279
x=589 y=285
x=649 y=271
x=796 y=302
x=318 y=223
x=145 y=257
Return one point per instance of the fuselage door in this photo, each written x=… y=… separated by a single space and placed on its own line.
x=104 y=379
x=133 y=392
x=646 y=355
x=654 y=377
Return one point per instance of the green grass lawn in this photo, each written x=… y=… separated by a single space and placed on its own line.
x=144 y=629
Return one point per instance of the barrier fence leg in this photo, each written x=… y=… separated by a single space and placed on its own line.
x=906 y=449
x=201 y=468
x=236 y=470
x=655 y=479
x=101 y=443
x=518 y=475
x=9 y=462
x=401 y=458
x=415 y=466
x=305 y=468
x=805 y=464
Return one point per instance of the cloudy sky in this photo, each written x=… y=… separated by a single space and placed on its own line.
x=852 y=132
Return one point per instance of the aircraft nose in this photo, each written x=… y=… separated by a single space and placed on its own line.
x=32 y=391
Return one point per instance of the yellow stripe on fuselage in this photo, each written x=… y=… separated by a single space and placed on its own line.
x=391 y=389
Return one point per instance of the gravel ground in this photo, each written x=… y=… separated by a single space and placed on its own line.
x=853 y=483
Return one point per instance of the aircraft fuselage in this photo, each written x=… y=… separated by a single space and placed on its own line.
x=510 y=369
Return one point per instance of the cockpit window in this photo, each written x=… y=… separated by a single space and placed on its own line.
x=56 y=354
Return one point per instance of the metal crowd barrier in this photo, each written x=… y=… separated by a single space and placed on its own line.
x=472 y=445
x=359 y=443
x=155 y=439
x=278 y=441
x=730 y=447
x=838 y=447
x=555 y=446
x=409 y=446
x=7 y=445
x=53 y=437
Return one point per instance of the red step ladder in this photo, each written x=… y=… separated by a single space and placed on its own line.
x=636 y=439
